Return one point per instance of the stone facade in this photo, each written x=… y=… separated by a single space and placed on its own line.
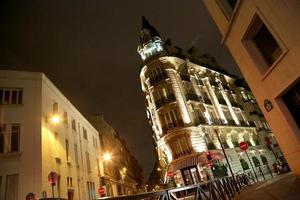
x=189 y=100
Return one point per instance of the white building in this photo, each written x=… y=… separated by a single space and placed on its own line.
x=188 y=99
x=41 y=132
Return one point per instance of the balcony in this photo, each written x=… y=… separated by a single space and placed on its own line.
x=222 y=101
x=200 y=120
x=199 y=82
x=217 y=121
x=243 y=123
x=171 y=126
x=254 y=113
x=234 y=104
x=231 y=122
x=156 y=79
x=191 y=96
x=166 y=100
x=252 y=124
x=213 y=83
x=207 y=100
x=184 y=77
x=226 y=87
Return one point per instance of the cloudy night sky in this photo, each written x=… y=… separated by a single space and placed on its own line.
x=88 y=50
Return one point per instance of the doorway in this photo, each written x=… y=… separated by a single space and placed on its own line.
x=70 y=194
x=190 y=175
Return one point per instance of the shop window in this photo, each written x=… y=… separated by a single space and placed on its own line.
x=292 y=101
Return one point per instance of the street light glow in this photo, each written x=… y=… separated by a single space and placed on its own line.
x=55 y=119
x=106 y=156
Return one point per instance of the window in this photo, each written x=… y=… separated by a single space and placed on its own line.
x=11 y=188
x=91 y=190
x=11 y=96
x=98 y=166
x=261 y=44
x=67 y=149
x=55 y=108
x=74 y=124
x=227 y=7
x=180 y=146
x=2 y=138
x=15 y=138
x=69 y=182
x=170 y=120
x=76 y=154
x=292 y=101
x=95 y=142
x=65 y=118
x=84 y=132
x=88 y=163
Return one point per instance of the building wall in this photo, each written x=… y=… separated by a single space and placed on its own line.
x=43 y=144
x=26 y=162
x=267 y=82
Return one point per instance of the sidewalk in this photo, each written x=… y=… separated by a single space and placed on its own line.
x=283 y=187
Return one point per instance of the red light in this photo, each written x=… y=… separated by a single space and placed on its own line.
x=208 y=156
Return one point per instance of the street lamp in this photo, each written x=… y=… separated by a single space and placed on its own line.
x=55 y=119
x=107 y=156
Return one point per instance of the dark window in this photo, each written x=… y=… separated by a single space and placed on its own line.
x=292 y=101
x=1 y=96
x=14 y=96
x=267 y=44
x=20 y=97
x=2 y=131
x=6 y=96
x=67 y=150
x=74 y=124
x=55 y=108
x=84 y=133
x=15 y=138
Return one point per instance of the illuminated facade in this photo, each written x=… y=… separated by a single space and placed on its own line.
x=263 y=38
x=188 y=99
x=41 y=131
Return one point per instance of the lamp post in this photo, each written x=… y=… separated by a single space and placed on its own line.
x=219 y=139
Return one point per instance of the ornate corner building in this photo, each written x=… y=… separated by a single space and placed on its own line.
x=189 y=100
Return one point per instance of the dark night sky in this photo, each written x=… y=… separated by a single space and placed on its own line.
x=88 y=49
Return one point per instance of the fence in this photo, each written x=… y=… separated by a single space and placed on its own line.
x=217 y=189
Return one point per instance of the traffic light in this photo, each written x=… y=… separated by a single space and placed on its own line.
x=208 y=156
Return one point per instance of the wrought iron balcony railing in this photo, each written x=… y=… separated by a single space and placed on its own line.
x=166 y=100
x=156 y=79
x=168 y=127
x=192 y=96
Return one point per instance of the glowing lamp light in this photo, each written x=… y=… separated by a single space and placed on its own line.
x=55 y=119
x=107 y=156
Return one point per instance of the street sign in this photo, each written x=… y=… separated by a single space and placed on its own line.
x=170 y=174
x=243 y=146
x=101 y=190
x=52 y=178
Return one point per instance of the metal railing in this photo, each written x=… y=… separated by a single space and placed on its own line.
x=218 y=189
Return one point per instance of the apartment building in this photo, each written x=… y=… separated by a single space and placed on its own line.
x=190 y=100
x=42 y=132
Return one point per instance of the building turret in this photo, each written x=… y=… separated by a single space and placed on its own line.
x=150 y=41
